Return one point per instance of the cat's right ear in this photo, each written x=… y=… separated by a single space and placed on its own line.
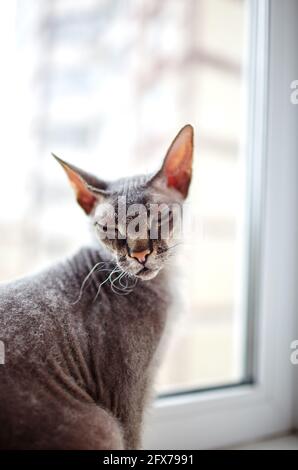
x=176 y=170
x=88 y=189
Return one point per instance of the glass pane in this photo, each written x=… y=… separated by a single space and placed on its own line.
x=106 y=85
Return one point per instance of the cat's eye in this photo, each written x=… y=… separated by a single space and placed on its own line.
x=104 y=227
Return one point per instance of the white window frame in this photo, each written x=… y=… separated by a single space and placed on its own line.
x=230 y=416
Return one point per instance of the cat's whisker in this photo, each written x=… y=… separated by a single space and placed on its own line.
x=106 y=280
x=92 y=270
x=114 y=280
x=120 y=280
x=132 y=278
x=122 y=289
x=172 y=246
x=126 y=279
x=119 y=290
x=121 y=275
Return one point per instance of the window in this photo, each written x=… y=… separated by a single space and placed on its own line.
x=139 y=71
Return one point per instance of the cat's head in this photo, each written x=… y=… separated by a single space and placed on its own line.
x=135 y=218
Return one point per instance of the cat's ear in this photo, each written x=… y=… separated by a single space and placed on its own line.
x=88 y=189
x=176 y=170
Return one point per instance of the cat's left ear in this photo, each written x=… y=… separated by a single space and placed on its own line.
x=88 y=189
x=176 y=170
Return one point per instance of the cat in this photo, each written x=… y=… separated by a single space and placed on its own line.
x=81 y=338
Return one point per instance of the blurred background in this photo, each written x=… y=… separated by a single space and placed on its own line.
x=106 y=85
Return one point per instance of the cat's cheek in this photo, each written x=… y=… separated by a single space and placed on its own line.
x=108 y=245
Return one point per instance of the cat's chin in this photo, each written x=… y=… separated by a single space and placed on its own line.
x=148 y=274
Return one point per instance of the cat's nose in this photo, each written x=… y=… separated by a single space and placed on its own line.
x=140 y=256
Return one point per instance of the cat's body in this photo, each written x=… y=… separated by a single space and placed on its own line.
x=76 y=374
x=81 y=338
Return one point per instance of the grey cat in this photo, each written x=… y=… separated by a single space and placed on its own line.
x=81 y=338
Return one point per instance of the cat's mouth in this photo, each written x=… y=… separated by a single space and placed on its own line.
x=144 y=272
